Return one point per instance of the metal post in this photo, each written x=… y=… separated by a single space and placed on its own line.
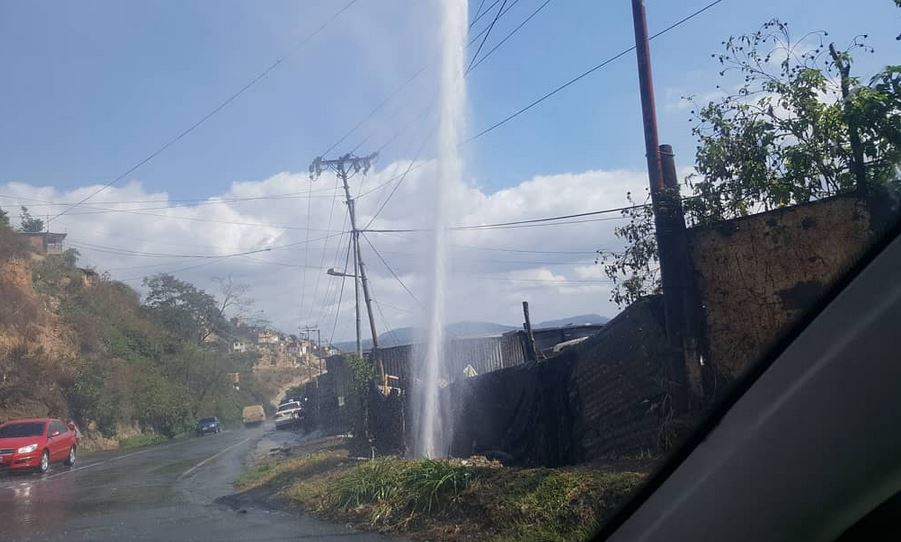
x=646 y=89
x=530 y=338
x=655 y=172
x=669 y=221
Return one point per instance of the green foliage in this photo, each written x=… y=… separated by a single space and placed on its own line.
x=401 y=489
x=30 y=224
x=137 y=366
x=635 y=272
x=362 y=372
x=182 y=308
x=57 y=272
x=786 y=135
x=4 y=219
x=478 y=500
x=94 y=396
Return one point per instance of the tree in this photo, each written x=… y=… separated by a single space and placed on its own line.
x=4 y=219
x=184 y=309
x=30 y=224
x=798 y=127
x=234 y=297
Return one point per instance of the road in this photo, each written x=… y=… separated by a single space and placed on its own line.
x=164 y=492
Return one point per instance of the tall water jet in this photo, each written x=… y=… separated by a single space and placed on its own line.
x=431 y=421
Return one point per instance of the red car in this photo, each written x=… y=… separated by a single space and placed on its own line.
x=35 y=443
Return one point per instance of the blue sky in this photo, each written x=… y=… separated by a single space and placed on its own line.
x=91 y=87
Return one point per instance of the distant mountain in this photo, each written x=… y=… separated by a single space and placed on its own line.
x=409 y=335
x=574 y=321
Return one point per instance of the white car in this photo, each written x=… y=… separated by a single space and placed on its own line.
x=289 y=414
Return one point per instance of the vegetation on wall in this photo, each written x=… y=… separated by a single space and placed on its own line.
x=798 y=127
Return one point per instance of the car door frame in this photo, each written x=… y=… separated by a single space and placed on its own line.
x=58 y=445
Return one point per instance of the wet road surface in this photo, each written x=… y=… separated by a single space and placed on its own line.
x=162 y=492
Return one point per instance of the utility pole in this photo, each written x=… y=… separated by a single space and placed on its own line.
x=308 y=332
x=669 y=222
x=342 y=167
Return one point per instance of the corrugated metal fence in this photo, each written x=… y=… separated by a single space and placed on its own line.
x=483 y=354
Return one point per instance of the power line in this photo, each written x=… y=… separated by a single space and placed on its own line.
x=213 y=112
x=375 y=110
x=113 y=250
x=419 y=72
x=399 y=182
x=340 y=294
x=393 y=274
x=474 y=37
x=500 y=225
x=478 y=11
x=171 y=202
x=552 y=281
x=510 y=34
x=588 y=72
x=484 y=228
x=582 y=252
x=484 y=39
x=213 y=220
x=134 y=253
x=306 y=257
x=388 y=327
x=331 y=213
x=482 y=14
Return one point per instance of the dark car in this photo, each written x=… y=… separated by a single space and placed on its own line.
x=208 y=425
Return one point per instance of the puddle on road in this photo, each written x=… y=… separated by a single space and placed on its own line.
x=274 y=441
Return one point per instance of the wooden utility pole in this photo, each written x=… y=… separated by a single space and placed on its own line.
x=342 y=167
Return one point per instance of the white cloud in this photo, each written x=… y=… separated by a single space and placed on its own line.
x=134 y=232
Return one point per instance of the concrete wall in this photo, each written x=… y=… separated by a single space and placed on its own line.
x=758 y=274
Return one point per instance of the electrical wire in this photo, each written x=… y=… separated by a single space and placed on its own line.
x=478 y=11
x=482 y=14
x=515 y=223
x=340 y=295
x=390 y=270
x=586 y=73
x=422 y=145
x=213 y=112
x=510 y=34
x=306 y=257
x=485 y=38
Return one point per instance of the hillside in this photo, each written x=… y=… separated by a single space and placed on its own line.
x=77 y=345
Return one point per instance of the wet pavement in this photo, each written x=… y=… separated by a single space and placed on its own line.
x=165 y=492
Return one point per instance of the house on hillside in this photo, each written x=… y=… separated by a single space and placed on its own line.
x=89 y=277
x=45 y=242
x=239 y=345
x=267 y=337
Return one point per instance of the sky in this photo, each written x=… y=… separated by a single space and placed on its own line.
x=92 y=88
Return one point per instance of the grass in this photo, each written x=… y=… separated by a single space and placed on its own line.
x=277 y=473
x=448 y=499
